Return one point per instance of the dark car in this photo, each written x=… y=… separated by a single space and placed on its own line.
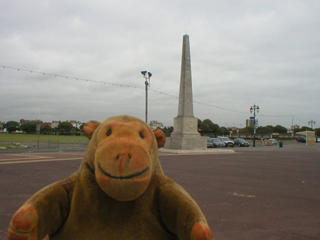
x=301 y=139
x=214 y=143
x=241 y=142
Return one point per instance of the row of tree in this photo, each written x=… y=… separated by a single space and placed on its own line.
x=64 y=128
x=205 y=127
x=208 y=127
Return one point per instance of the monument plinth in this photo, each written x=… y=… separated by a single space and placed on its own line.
x=185 y=135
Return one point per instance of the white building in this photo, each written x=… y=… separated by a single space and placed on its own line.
x=75 y=124
x=155 y=124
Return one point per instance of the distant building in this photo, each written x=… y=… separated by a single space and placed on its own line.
x=55 y=124
x=22 y=121
x=47 y=124
x=250 y=122
x=155 y=124
x=295 y=127
x=2 y=125
x=232 y=128
x=75 y=124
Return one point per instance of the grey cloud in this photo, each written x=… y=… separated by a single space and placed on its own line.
x=263 y=52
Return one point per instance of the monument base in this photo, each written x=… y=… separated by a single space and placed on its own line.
x=186 y=142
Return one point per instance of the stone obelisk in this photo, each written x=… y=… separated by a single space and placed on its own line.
x=185 y=135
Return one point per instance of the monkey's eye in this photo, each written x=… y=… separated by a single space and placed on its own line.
x=141 y=135
x=109 y=132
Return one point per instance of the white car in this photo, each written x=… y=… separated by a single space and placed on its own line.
x=227 y=141
x=214 y=143
x=272 y=142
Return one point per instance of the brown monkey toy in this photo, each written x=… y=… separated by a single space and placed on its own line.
x=119 y=192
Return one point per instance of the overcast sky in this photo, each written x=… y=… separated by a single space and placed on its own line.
x=242 y=53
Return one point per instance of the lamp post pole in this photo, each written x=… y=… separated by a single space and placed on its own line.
x=147 y=76
x=253 y=109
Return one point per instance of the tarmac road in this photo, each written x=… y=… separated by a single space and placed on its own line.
x=261 y=193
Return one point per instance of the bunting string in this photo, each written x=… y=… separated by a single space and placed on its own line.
x=137 y=87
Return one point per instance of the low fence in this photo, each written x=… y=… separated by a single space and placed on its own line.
x=50 y=144
x=60 y=144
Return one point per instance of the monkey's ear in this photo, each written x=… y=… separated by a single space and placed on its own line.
x=160 y=136
x=89 y=128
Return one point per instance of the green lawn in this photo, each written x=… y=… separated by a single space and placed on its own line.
x=26 y=138
x=5 y=145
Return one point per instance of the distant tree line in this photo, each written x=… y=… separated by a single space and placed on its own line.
x=267 y=129
x=64 y=128
x=207 y=127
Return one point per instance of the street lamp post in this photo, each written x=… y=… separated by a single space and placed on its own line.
x=147 y=76
x=312 y=123
x=253 y=109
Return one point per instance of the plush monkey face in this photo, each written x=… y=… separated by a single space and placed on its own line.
x=122 y=161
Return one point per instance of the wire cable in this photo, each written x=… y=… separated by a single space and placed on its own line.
x=137 y=87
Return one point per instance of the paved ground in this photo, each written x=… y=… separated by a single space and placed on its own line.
x=264 y=193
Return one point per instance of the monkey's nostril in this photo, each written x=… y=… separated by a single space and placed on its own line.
x=123 y=157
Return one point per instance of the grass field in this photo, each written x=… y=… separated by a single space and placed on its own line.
x=27 y=138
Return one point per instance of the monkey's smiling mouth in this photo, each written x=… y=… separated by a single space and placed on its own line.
x=122 y=177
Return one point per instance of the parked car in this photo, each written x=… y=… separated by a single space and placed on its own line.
x=214 y=143
x=227 y=141
x=241 y=142
x=272 y=142
x=301 y=139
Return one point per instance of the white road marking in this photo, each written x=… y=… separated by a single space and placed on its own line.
x=24 y=158
x=41 y=160
x=242 y=195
